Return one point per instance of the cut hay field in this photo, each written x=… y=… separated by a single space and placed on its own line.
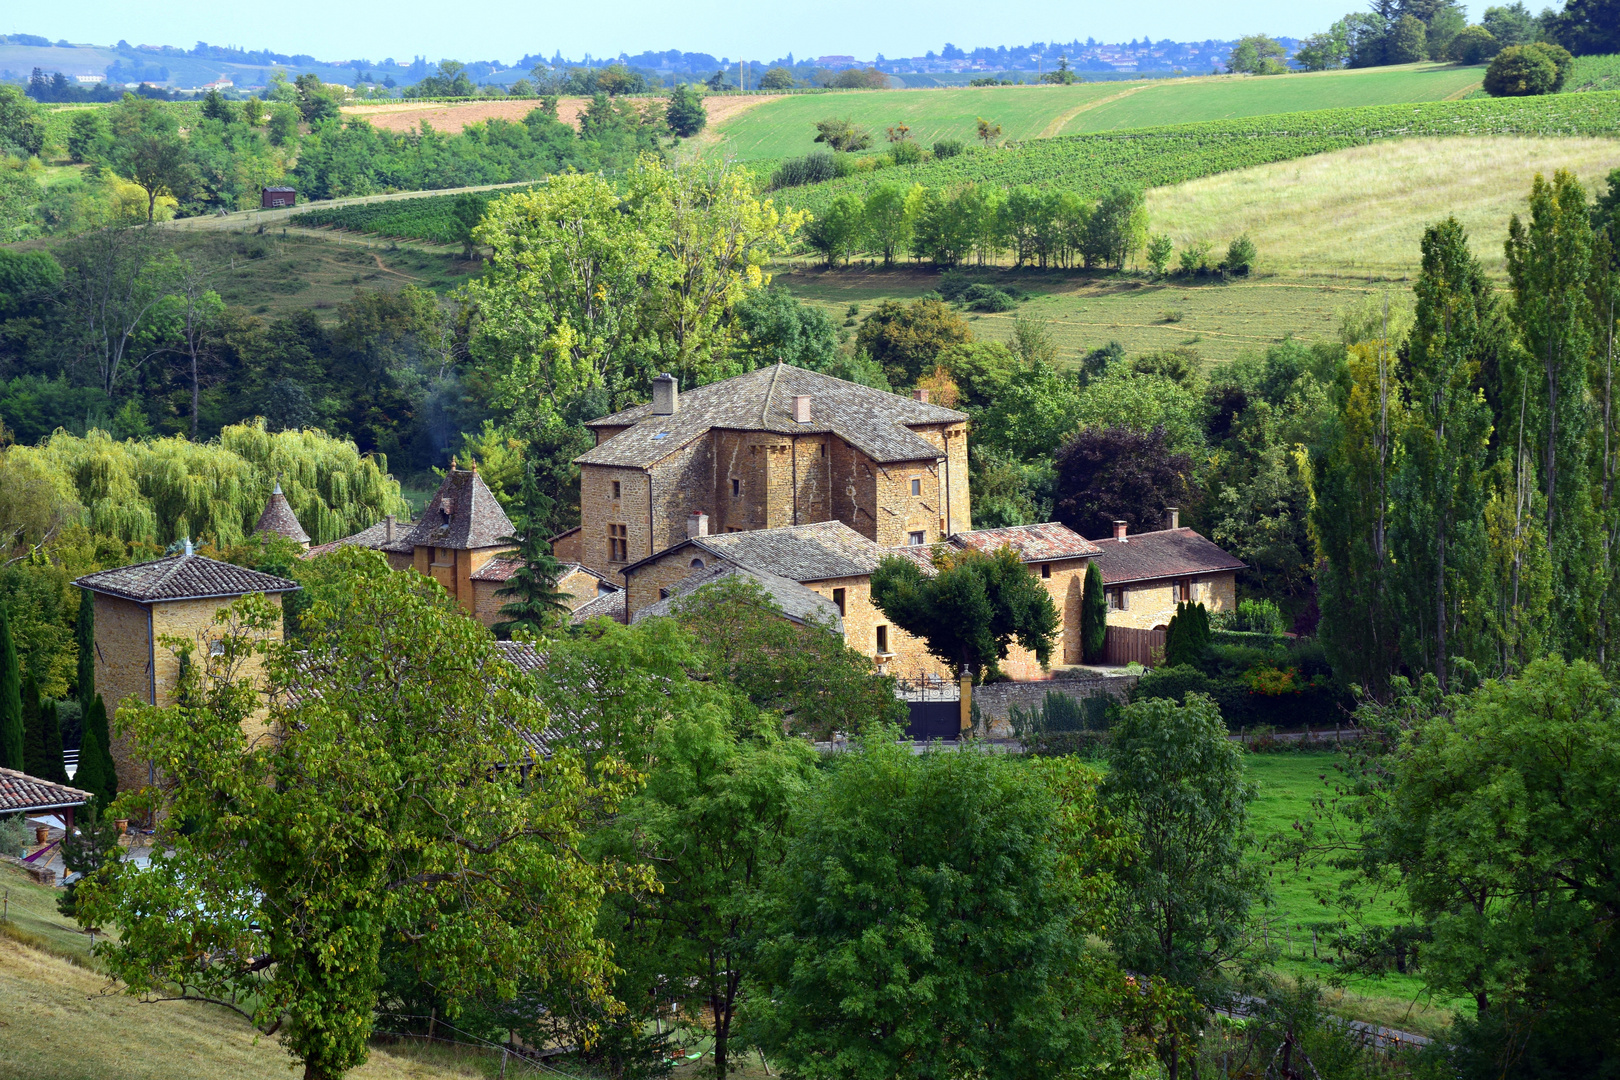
x=1362 y=211
x=1084 y=311
x=451 y=118
x=785 y=126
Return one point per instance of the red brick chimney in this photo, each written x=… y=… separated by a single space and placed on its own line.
x=801 y=408
x=1119 y=531
x=921 y=394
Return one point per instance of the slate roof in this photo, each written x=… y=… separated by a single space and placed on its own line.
x=797 y=602
x=1168 y=553
x=1047 y=542
x=462 y=514
x=873 y=421
x=375 y=537
x=502 y=569
x=608 y=605
x=827 y=549
x=278 y=518
x=21 y=792
x=183 y=577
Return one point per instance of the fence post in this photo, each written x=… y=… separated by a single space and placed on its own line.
x=504 y=1052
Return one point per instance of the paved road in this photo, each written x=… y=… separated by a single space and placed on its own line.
x=253 y=219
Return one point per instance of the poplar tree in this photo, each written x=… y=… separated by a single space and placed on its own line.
x=1549 y=261
x=1093 y=617
x=97 y=773
x=84 y=636
x=1438 y=538
x=11 y=710
x=34 y=763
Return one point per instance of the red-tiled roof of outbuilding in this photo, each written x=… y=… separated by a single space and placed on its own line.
x=21 y=793
x=1046 y=542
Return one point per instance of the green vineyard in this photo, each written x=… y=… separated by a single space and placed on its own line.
x=438 y=219
x=1154 y=157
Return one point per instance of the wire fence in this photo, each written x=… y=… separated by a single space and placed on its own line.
x=510 y=1055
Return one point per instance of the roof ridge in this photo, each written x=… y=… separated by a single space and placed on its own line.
x=770 y=391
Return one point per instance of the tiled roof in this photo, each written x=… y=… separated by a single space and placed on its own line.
x=278 y=518
x=376 y=538
x=1046 y=542
x=520 y=655
x=873 y=421
x=608 y=605
x=19 y=791
x=827 y=549
x=797 y=602
x=463 y=514
x=1166 y=554
x=183 y=577
x=501 y=568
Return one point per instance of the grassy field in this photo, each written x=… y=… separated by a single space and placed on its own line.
x=786 y=126
x=1287 y=785
x=1363 y=210
x=1084 y=311
x=60 y=1020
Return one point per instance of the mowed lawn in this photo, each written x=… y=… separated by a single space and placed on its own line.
x=785 y=127
x=1186 y=101
x=1363 y=210
x=1084 y=311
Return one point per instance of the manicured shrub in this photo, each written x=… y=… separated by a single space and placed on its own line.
x=1093 y=617
x=1528 y=70
x=1186 y=640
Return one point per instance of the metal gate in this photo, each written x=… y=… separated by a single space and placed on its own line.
x=934 y=720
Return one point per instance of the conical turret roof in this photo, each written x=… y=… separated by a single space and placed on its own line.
x=278 y=518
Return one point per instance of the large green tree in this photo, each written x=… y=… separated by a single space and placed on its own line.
x=1438 y=540
x=970 y=609
x=1176 y=783
x=403 y=798
x=930 y=920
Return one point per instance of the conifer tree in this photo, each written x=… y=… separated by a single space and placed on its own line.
x=535 y=602
x=34 y=763
x=97 y=774
x=84 y=636
x=11 y=710
x=50 y=727
x=1093 y=616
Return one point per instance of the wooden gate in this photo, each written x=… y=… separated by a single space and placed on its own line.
x=1126 y=644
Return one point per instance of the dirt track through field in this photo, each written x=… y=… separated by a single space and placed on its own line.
x=451 y=119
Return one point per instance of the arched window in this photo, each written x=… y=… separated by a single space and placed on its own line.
x=697 y=564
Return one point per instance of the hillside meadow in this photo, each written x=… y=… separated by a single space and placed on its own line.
x=1362 y=211
x=785 y=127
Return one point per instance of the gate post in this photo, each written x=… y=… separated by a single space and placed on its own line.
x=966 y=683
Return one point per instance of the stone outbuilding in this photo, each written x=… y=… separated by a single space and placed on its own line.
x=1058 y=556
x=137 y=606
x=580 y=583
x=1147 y=574
x=776 y=448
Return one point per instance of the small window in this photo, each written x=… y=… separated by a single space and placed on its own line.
x=883 y=640
x=736 y=487
x=662 y=435
x=1184 y=589
x=1046 y=570
x=216 y=647
x=663 y=594
x=916 y=487
x=916 y=539
x=823 y=449
x=617 y=491
x=696 y=564
x=618 y=543
x=838 y=602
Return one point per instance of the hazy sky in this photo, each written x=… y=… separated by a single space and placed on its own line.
x=505 y=30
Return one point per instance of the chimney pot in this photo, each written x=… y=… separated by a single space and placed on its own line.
x=388 y=528
x=1119 y=531
x=921 y=394
x=697 y=524
x=1175 y=516
x=666 y=395
x=801 y=408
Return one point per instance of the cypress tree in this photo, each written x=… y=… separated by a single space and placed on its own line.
x=97 y=774
x=1093 y=617
x=34 y=763
x=84 y=635
x=11 y=714
x=50 y=728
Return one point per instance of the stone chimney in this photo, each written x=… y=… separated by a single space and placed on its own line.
x=697 y=524
x=801 y=408
x=1175 y=516
x=921 y=394
x=388 y=529
x=1119 y=532
x=666 y=395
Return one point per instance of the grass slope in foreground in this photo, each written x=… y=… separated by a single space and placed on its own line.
x=785 y=127
x=1154 y=157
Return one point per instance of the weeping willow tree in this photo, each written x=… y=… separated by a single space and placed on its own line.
x=159 y=490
